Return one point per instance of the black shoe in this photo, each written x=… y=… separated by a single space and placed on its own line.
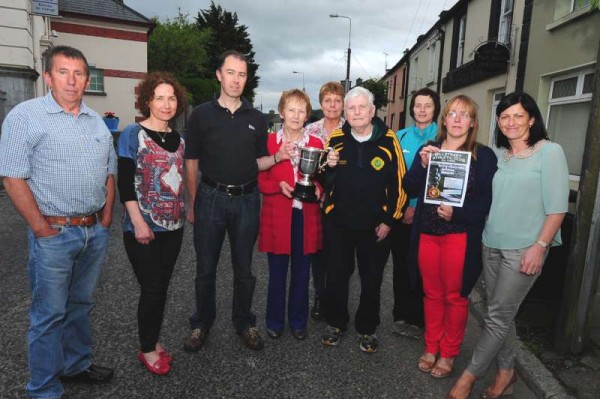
x=316 y=312
x=299 y=334
x=273 y=333
x=332 y=336
x=368 y=343
x=252 y=338
x=93 y=375
x=196 y=340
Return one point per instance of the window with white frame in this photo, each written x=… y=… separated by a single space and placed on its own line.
x=432 y=62
x=460 y=49
x=506 y=12
x=96 y=80
x=569 y=106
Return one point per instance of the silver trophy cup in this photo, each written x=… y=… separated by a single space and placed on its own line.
x=309 y=161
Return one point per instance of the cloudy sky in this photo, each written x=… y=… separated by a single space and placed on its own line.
x=299 y=35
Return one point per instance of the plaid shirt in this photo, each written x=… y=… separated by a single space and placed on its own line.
x=64 y=158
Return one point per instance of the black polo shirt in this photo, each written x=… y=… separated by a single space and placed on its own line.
x=226 y=144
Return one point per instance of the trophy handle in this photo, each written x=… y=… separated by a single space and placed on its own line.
x=324 y=152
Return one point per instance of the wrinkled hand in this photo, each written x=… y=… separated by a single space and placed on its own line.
x=286 y=189
x=445 y=212
x=382 y=231
x=532 y=260
x=425 y=153
x=287 y=151
x=409 y=215
x=332 y=158
x=143 y=233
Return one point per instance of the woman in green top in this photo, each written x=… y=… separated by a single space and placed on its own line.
x=529 y=202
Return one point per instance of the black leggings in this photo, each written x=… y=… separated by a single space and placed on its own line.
x=153 y=265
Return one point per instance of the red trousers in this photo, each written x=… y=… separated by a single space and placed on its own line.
x=441 y=263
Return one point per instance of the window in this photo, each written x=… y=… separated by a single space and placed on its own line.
x=96 y=80
x=565 y=7
x=392 y=122
x=492 y=137
x=415 y=68
x=506 y=11
x=431 y=59
x=570 y=102
x=458 y=39
x=461 y=41
x=394 y=88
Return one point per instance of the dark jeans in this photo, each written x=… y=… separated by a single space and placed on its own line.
x=216 y=213
x=408 y=300
x=153 y=265
x=341 y=245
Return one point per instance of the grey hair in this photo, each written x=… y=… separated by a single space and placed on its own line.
x=360 y=91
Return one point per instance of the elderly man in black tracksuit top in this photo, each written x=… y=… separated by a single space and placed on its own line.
x=364 y=198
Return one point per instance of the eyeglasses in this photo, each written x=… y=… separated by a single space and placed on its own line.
x=461 y=115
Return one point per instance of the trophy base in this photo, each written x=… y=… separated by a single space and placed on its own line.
x=305 y=193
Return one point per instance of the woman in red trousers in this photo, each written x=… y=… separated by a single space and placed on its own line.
x=446 y=240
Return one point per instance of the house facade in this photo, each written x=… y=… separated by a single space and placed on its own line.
x=114 y=39
x=482 y=54
x=112 y=36
x=23 y=38
x=393 y=114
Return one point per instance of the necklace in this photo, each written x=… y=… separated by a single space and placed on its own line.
x=162 y=138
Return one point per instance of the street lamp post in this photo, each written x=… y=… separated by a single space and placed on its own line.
x=349 y=48
x=303 y=87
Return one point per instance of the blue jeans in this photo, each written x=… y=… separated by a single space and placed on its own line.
x=298 y=295
x=214 y=214
x=63 y=271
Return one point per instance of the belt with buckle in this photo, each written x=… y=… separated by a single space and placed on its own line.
x=87 y=221
x=230 y=189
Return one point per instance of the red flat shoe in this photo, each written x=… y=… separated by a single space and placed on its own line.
x=159 y=367
x=167 y=356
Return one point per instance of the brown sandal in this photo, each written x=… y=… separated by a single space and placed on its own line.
x=442 y=372
x=425 y=365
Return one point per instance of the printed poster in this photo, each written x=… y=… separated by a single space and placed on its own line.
x=447 y=176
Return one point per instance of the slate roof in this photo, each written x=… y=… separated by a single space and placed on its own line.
x=111 y=9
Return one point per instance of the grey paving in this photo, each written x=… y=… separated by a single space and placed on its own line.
x=224 y=368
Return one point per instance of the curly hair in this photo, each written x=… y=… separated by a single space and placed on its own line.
x=146 y=87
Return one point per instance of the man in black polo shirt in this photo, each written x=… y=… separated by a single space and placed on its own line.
x=226 y=141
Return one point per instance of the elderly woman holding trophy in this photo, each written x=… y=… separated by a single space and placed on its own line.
x=290 y=220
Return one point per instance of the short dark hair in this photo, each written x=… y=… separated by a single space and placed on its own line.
x=537 y=131
x=428 y=93
x=147 y=86
x=65 y=51
x=231 y=53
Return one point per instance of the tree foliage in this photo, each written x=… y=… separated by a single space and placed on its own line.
x=225 y=33
x=379 y=90
x=177 y=46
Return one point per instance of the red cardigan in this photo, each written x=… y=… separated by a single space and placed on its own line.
x=275 y=234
